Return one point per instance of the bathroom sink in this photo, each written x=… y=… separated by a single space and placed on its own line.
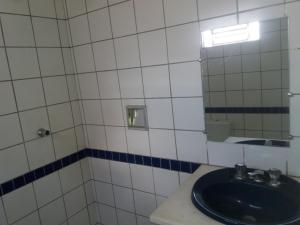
x=228 y=200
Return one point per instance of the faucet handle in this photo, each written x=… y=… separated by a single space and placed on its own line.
x=274 y=177
x=241 y=171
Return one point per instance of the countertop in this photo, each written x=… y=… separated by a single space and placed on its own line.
x=178 y=209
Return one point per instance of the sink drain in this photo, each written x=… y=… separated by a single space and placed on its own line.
x=249 y=218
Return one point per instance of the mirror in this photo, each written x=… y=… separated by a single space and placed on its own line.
x=246 y=84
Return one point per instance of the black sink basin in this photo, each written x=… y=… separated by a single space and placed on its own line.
x=230 y=201
x=274 y=143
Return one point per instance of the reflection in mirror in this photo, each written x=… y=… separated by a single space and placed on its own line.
x=246 y=84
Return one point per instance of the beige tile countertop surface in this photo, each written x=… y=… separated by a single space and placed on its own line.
x=178 y=209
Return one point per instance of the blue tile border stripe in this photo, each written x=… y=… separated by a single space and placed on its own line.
x=27 y=178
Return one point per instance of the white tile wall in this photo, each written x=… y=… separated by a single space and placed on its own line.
x=173 y=44
x=172 y=92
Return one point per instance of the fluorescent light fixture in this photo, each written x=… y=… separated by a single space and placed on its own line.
x=231 y=35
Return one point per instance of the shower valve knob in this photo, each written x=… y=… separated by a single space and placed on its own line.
x=43 y=132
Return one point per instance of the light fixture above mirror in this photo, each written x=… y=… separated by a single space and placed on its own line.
x=231 y=35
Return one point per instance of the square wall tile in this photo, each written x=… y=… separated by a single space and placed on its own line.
x=186 y=79
x=64 y=32
x=166 y=181
x=270 y=61
x=96 y=137
x=127 y=52
x=53 y=213
x=4 y=70
x=116 y=139
x=80 y=30
x=32 y=120
x=104 y=55
x=84 y=60
x=215 y=8
x=156 y=81
x=122 y=19
x=17 y=30
x=10 y=131
x=144 y=14
x=191 y=146
x=99 y=22
x=251 y=63
x=7 y=100
x=75 y=7
x=138 y=142
x=19 y=7
x=112 y=112
x=179 y=12
x=11 y=170
x=69 y=177
x=40 y=152
x=60 y=9
x=73 y=86
x=80 y=218
x=124 y=198
x=92 y=112
x=75 y=201
x=60 y=117
x=30 y=219
x=23 y=63
x=120 y=173
x=221 y=154
x=88 y=86
x=19 y=203
x=64 y=143
x=51 y=61
x=29 y=93
x=46 y=32
x=188 y=113
x=105 y=193
x=184 y=43
x=126 y=218
x=101 y=170
x=95 y=4
x=56 y=90
x=145 y=203
x=131 y=84
x=215 y=66
x=47 y=189
x=43 y=8
x=160 y=113
x=109 y=84
x=108 y=215
x=142 y=178
x=69 y=60
x=162 y=143
x=153 y=48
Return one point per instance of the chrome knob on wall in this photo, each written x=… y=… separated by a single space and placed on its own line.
x=43 y=132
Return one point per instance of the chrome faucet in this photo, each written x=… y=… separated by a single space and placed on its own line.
x=274 y=175
x=241 y=172
x=258 y=176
